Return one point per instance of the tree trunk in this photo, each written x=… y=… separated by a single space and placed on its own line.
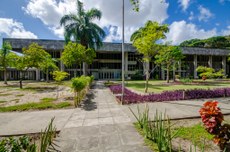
x=5 y=76
x=167 y=74
x=146 y=76
x=174 y=72
x=20 y=81
x=47 y=76
x=84 y=69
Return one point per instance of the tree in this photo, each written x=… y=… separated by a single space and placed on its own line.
x=168 y=57
x=6 y=59
x=76 y=54
x=80 y=28
x=47 y=66
x=34 y=56
x=145 y=40
x=59 y=76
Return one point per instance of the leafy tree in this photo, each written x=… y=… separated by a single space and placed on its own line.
x=47 y=66
x=76 y=53
x=6 y=59
x=145 y=40
x=80 y=28
x=59 y=76
x=34 y=56
x=168 y=57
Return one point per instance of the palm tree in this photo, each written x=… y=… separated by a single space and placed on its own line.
x=80 y=28
x=5 y=59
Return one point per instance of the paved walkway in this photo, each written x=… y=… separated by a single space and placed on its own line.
x=100 y=126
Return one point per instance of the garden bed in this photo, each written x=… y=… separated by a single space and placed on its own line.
x=132 y=97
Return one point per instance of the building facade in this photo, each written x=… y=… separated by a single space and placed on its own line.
x=108 y=61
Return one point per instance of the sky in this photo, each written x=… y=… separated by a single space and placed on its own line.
x=187 y=19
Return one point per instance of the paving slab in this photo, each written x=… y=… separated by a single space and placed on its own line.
x=32 y=122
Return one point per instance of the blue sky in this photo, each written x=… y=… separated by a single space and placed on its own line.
x=187 y=19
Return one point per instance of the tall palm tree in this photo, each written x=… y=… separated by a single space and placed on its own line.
x=6 y=58
x=80 y=27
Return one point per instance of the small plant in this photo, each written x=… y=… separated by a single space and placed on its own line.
x=48 y=138
x=27 y=144
x=59 y=76
x=78 y=84
x=213 y=118
x=186 y=80
x=158 y=130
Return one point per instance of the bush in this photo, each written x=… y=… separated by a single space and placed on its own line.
x=186 y=80
x=137 y=76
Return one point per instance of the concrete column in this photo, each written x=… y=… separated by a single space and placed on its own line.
x=195 y=66
x=38 y=75
x=224 y=64
x=210 y=61
x=162 y=73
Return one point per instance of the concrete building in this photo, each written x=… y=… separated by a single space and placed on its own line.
x=107 y=64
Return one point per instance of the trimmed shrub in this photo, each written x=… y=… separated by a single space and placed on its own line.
x=79 y=84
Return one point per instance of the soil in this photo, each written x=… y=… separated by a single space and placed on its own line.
x=11 y=94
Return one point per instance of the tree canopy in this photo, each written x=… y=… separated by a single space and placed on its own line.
x=222 y=42
x=7 y=59
x=168 y=57
x=81 y=28
x=75 y=53
x=145 y=41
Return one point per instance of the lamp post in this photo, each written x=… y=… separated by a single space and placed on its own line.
x=123 y=52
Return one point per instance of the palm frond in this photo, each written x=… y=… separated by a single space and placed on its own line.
x=94 y=13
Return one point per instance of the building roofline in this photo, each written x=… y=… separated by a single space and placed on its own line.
x=48 y=44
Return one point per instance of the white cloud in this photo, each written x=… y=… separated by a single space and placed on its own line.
x=51 y=11
x=191 y=17
x=223 y=1
x=14 y=29
x=184 y=4
x=226 y=31
x=181 y=31
x=205 y=14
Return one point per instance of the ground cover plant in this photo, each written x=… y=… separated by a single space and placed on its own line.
x=132 y=97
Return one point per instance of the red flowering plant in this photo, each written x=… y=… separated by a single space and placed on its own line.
x=212 y=118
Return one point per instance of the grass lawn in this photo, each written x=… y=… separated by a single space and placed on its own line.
x=157 y=86
x=196 y=134
x=45 y=103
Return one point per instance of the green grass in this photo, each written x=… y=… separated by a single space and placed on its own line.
x=196 y=134
x=2 y=101
x=5 y=94
x=19 y=95
x=157 y=86
x=35 y=106
x=48 y=99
